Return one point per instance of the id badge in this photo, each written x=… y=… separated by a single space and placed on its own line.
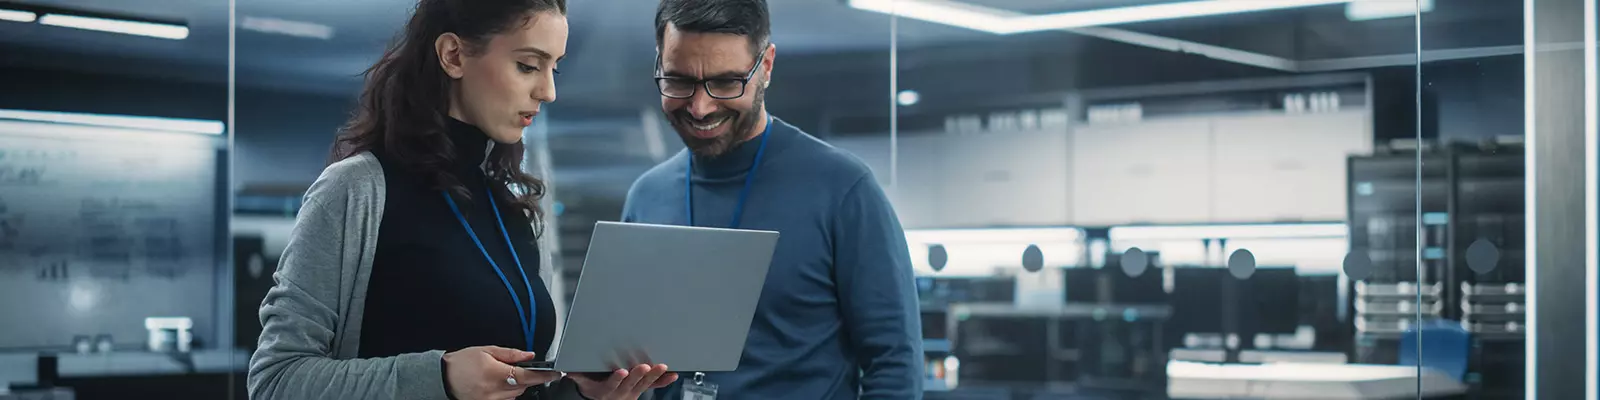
x=699 y=389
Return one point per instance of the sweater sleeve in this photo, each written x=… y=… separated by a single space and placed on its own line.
x=313 y=297
x=877 y=293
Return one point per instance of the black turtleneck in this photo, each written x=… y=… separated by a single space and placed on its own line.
x=431 y=288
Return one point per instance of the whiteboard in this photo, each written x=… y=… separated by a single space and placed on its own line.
x=103 y=227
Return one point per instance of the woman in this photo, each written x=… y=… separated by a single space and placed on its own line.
x=418 y=240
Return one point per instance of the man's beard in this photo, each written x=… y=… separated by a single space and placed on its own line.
x=743 y=121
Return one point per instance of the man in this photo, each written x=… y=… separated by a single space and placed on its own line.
x=838 y=316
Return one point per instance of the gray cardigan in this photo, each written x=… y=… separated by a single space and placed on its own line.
x=311 y=318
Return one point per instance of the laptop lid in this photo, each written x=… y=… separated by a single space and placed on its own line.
x=663 y=294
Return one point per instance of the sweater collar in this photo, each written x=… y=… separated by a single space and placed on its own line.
x=472 y=145
x=738 y=160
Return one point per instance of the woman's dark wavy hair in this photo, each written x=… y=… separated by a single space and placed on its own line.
x=405 y=103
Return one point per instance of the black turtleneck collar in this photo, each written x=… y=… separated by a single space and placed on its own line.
x=738 y=160
x=471 y=144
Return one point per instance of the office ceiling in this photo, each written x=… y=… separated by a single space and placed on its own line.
x=826 y=47
x=602 y=30
x=612 y=37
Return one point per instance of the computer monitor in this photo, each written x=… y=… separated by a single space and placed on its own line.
x=1197 y=300
x=1212 y=300
x=1082 y=285
x=1270 y=301
x=1143 y=289
x=943 y=290
x=1319 y=309
x=1110 y=285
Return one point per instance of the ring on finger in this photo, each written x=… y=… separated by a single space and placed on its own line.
x=511 y=379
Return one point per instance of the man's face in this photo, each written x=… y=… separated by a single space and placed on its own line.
x=710 y=126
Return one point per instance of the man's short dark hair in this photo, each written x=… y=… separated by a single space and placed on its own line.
x=746 y=18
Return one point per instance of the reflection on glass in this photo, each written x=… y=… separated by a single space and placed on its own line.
x=114 y=180
x=1293 y=201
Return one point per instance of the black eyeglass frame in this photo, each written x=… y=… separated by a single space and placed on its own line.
x=705 y=84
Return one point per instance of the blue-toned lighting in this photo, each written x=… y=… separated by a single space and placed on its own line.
x=967 y=15
x=908 y=98
x=118 y=121
x=1380 y=9
x=17 y=16
x=127 y=27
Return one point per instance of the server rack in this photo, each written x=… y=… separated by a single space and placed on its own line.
x=1471 y=216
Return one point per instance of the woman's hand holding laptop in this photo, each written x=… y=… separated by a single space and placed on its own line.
x=485 y=372
x=624 y=384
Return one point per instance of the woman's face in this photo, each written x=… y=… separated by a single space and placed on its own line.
x=500 y=87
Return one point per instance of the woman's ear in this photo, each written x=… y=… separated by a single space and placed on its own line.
x=449 y=49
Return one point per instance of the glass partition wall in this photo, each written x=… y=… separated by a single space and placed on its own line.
x=1162 y=199
x=1471 y=162
x=1126 y=199
x=114 y=169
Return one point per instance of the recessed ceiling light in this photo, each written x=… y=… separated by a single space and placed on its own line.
x=17 y=16
x=286 y=27
x=908 y=97
x=123 y=26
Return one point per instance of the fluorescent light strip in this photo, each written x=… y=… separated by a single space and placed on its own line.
x=286 y=27
x=118 y=121
x=1320 y=255
x=1591 y=260
x=151 y=29
x=984 y=259
x=1531 y=222
x=1009 y=22
x=940 y=11
x=1197 y=232
x=105 y=134
x=17 y=16
x=1154 y=12
x=981 y=252
x=1379 y=9
x=1020 y=235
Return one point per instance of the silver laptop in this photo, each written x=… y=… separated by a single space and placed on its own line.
x=661 y=294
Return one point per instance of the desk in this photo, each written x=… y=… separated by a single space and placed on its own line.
x=73 y=365
x=18 y=369
x=1191 y=380
x=202 y=374
x=1062 y=311
x=22 y=368
x=1021 y=345
x=1258 y=356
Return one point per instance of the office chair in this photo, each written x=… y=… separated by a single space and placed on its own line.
x=1445 y=347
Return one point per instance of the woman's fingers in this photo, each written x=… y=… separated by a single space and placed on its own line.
x=526 y=378
x=639 y=373
x=664 y=380
x=616 y=380
x=649 y=378
x=506 y=355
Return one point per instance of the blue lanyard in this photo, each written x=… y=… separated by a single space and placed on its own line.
x=527 y=316
x=744 y=194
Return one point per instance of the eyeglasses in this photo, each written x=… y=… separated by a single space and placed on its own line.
x=717 y=88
